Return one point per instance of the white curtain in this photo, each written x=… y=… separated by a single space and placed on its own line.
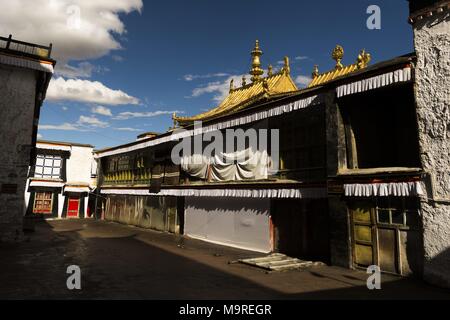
x=238 y=166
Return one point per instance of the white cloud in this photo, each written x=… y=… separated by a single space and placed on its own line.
x=64 y=108
x=303 y=80
x=301 y=58
x=128 y=129
x=192 y=77
x=131 y=115
x=103 y=111
x=92 y=122
x=79 y=29
x=39 y=136
x=61 y=127
x=117 y=58
x=87 y=91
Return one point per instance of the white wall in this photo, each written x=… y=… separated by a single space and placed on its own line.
x=79 y=165
x=241 y=223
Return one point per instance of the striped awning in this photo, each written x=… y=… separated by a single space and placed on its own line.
x=395 y=189
x=303 y=193
x=26 y=63
x=383 y=80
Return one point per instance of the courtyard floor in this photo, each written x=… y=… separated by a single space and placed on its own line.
x=124 y=262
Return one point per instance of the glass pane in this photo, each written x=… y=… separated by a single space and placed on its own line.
x=57 y=163
x=397 y=217
x=56 y=171
x=383 y=216
x=39 y=162
x=48 y=162
x=47 y=171
x=39 y=170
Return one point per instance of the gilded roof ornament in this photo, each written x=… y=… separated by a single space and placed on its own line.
x=231 y=85
x=287 y=66
x=244 y=81
x=270 y=70
x=315 y=72
x=338 y=55
x=363 y=59
x=256 y=71
x=265 y=86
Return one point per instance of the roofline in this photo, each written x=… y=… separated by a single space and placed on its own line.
x=60 y=143
x=376 y=68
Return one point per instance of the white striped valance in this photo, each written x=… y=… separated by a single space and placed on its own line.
x=304 y=193
x=399 y=189
x=180 y=134
x=401 y=75
x=26 y=63
x=48 y=184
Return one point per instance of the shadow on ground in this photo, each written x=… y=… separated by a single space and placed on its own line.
x=122 y=262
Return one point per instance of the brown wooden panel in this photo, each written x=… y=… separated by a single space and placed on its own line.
x=363 y=255
x=363 y=233
x=387 y=250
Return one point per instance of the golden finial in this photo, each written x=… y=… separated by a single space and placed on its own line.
x=338 y=54
x=270 y=70
x=231 y=85
x=256 y=71
x=315 y=72
x=287 y=67
x=244 y=81
x=363 y=59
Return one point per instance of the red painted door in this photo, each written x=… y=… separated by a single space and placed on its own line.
x=73 y=208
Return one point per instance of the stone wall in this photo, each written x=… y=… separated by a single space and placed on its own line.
x=17 y=105
x=432 y=90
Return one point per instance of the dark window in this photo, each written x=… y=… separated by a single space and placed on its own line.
x=380 y=128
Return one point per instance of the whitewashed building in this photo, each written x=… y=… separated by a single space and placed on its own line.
x=60 y=180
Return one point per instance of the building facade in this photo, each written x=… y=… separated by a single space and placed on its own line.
x=351 y=171
x=60 y=181
x=25 y=72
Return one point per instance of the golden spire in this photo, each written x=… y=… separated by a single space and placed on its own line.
x=287 y=67
x=256 y=71
x=270 y=70
x=363 y=59
x=337 y=55
x=315 y=72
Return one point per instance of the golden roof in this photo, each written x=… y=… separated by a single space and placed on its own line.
x=340 y=70
x=259 y=88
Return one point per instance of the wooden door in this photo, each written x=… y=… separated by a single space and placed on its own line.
x=73 y=208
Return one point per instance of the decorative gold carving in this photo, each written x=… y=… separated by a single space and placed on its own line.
x=338 y=55
x=363 y=59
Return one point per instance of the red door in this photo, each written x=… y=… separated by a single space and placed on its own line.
x=73 y=208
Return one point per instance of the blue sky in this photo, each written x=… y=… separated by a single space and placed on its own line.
x=178 y=55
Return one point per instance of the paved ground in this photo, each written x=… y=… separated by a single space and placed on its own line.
x=119 y=261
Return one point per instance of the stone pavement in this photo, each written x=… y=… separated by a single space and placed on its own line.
x=123 y=262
